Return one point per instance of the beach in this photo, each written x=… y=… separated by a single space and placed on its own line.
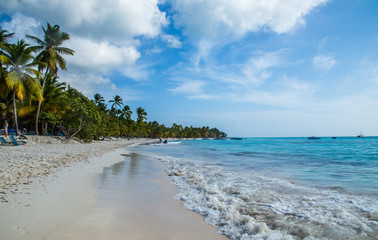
x=277 y=188
x=48 y=190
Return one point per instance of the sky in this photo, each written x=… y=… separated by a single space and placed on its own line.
x=251 y=68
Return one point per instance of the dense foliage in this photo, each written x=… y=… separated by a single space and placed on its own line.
x=33 y=98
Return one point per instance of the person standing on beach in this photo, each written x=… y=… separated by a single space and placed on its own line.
x=6 y=128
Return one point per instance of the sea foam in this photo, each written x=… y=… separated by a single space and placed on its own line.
x=248 y=205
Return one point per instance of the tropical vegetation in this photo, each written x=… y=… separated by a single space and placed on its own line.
x=32 y=97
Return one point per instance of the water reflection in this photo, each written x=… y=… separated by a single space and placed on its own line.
x=133 y=165
x=125 y=171
x=117 y=168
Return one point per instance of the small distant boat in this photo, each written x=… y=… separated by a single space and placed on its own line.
x=360 y=135
x=312 y=138
x=333 y=137
x=236 y=138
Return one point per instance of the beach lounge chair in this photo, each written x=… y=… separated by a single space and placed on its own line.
x=17 y=141
x=5 y=142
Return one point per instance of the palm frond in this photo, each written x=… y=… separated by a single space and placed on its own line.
x=26 y=110
x=11 y=80
x=35 y=39
x=64 y=50
x=33 y=71
x=61 y=62
x=20 y=91
x=4 y=59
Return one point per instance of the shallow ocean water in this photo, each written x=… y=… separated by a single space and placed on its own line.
x=278 y=188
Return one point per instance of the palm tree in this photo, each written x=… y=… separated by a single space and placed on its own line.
x=154 y=128
x=100 y=102
x=142 y=115
x=18 y=58
x=55 y=100
x=141 y=126
x=4 y=35
x=72 y=92
x=50 y=50
x=54 y=95
x=126 y=112
x=117 y=101
x=98 y=99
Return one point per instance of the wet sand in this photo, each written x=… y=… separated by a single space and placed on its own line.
x=131 y=199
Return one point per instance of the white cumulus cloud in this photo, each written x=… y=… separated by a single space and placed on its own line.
x=21 y=25
x=234 y=19
x=100 y=56
x=104 y=35
x=86 y=82
x=111 y=19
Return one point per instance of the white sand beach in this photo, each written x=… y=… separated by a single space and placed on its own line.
x=47 y=192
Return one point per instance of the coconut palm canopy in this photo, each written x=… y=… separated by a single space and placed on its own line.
x=18 y=60
x=51 y=49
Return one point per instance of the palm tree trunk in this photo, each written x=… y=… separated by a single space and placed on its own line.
x=15 y=111
x=36 y=118
x=40 y=102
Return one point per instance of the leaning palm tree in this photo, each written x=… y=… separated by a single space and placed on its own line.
x=117 y=101
x=50 y=50
x=19 y=60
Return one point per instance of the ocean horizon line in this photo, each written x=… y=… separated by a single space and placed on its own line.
x=331 y=136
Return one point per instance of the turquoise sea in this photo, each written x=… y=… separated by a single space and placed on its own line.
x=278 y=188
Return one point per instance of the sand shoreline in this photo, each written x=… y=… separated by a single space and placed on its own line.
x=43 y=155
x=48 y=192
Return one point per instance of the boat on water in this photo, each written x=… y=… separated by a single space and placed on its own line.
x=236 y=138
x=360 y=135
x=313 y=138
x=167 y=142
